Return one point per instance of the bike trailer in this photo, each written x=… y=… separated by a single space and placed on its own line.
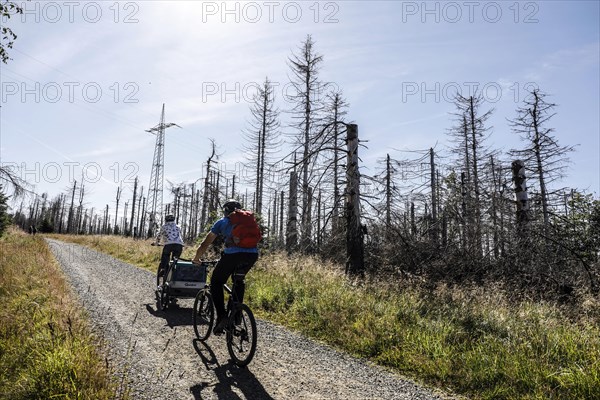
x=186 y=279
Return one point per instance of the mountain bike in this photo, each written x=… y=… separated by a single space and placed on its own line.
x=240 y=330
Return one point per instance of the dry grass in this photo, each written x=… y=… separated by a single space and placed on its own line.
x=46 y=348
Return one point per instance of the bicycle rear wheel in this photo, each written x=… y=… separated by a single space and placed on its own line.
x=162 y=293
x=241 y=336
x=163 y=297
x=204 y=315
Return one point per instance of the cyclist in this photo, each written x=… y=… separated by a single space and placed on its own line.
x=240 y=259
x=170 y=233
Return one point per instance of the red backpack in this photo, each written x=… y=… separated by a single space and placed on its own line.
x=245 y=232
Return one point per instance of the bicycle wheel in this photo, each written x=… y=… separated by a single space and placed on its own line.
x=163 y=296
x=204 y=315
x=241 y=336
x=158 y=277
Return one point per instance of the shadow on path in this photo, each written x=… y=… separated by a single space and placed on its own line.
x=229 y=376
x=174 y=315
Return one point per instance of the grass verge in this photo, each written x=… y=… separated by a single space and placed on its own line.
x=46 y=348
x=471 y=341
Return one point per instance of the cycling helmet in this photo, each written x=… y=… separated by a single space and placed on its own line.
x=230 y=206
x=170 y=218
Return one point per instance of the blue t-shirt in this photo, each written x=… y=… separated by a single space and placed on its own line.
x=223 y=228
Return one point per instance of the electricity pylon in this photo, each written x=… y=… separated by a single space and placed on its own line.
x=155 y=193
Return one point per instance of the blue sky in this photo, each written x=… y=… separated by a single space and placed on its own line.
x=87 y=79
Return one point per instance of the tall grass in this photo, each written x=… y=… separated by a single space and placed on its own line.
x=46 y=348
x=136 y=252
x=473 y=341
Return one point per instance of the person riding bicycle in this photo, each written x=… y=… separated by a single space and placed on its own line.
x=170 y=234
x=240 y=259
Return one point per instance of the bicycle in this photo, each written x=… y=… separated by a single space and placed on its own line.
x=240 y=330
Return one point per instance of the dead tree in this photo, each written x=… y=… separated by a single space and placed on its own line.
x=105 y=226
x=433 y=230
x=354 y=230
x=471 y=135
x=71 y=209
x=262 y=136
x=281 y=206
x=292 y=221
x=545 y=160
x=522 y=200
x=80 y=208
x=305 y=69
x=207 y=191
x=139 y=219
x=131 y=225
x=388 y=192
x=336 y=110
x=118 y=198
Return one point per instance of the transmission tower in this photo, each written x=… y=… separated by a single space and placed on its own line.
x=155 y=192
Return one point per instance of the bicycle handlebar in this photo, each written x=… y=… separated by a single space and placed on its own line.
x=207 y=262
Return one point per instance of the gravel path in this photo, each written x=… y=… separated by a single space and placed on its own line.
x=157 y=355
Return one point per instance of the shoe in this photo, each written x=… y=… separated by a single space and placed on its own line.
x=220 y=326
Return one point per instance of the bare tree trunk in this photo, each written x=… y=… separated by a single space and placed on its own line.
x=70 y=217
x=105 y=227
x=139 y=213
x=124 y=233
x=205 y=196
x=466 y=237
x=116 y=227
x=275 y=220
x=476 y=205
x=354 y=231
x=292 y=228
x=62 y=212
x=433 y=230
x=336 y=165
x=216 y=192
x=519 y=179
x=80 y=209
x=494 y=209
x=135 y=184
x=413 y=225
x=262 y=155
x=143 y=218
x=257 y=192
x=388 y=194
x=540 y=166
x=318 y=222
x=281 y=206
x=307 y=236
x=305 y=166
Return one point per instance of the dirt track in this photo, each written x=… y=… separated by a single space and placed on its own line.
x=157 y=355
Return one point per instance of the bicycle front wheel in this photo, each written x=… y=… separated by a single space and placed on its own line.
x=204 y=315
x=241 y=336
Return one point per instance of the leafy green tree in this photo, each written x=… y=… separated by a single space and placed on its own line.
x=4 y=217
x=583 y=225
x=46 y=226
